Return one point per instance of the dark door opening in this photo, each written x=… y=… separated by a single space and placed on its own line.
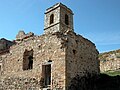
x=46 y=73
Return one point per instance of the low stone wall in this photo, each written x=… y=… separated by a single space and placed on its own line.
x=19 y=83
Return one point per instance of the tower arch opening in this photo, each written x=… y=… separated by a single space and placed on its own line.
x=66 y=19
x=51 y=18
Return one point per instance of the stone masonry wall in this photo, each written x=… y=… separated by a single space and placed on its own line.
x=70 y=54
x=54 y=27
x=59 y=11
x=19 y=83
x=45 y=48
x=63 y=26
x=81 y=57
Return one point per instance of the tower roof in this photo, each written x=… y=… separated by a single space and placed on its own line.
x=58 y=5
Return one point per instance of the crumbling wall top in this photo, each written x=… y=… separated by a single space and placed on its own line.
x=21 y=35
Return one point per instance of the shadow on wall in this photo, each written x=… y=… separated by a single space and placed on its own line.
x=100 y=82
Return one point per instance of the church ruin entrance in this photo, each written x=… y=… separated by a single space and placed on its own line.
x=28 y=60
x=46 y=74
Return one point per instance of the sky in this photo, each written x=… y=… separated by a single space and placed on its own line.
x=96 y=20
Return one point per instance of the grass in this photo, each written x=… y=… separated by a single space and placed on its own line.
x=112 y=73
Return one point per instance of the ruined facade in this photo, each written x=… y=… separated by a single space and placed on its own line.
x=49 y=61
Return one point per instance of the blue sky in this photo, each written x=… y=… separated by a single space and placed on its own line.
x=97 y=20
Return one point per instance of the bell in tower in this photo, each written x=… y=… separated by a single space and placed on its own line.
x=58 y=18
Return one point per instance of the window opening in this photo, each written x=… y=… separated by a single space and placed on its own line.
x=51 y=19
x=66 y=19
x=0 y=68
x=28 y=60
x=30 y=65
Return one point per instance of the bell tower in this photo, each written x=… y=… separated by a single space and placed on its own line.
x=58 y=18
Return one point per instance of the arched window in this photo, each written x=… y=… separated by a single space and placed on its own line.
x=51 y=19
x=66 y=19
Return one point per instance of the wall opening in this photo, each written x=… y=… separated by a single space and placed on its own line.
x=74 y=51
x=28 y=60
x=66 y=19
x=0 y=68
x=30 y=65
x=51 y=18
x=46 y=74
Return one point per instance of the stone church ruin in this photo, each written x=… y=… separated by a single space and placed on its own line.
x=49 y=61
